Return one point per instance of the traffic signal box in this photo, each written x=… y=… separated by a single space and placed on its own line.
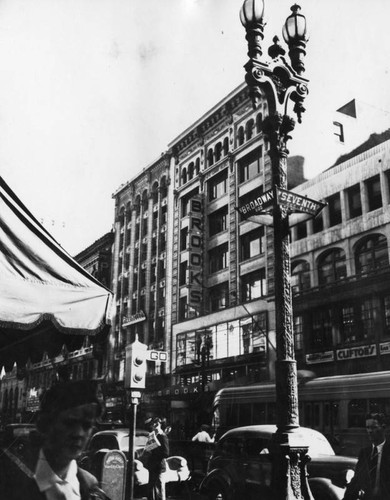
x=136 y=356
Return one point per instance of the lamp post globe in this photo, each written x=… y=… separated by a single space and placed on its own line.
x=252 y=12
x=295 y=35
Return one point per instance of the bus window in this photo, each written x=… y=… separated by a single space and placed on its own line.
x=316 y=415
x=259 y=414
x=357 y=410
x=381 y=405
x=331 y=412
x=232 y=415
x=271 y=413
x=244 y=414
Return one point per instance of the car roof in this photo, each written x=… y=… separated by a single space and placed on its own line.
x=14 y=426
x=266 y=431
x=121 y=432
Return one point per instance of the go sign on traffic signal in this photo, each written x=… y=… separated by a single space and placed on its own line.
x=136 y=355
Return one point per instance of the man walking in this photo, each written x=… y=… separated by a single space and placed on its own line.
x=372 y=474
x=68 y=413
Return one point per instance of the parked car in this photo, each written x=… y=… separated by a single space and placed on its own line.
x=114 y=439
x=17 y=436
x=240 y=466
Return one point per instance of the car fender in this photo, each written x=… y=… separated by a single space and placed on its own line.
x=214 y=476
x=323 y=489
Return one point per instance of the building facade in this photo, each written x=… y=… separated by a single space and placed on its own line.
x=340 y=267
x=142 y=259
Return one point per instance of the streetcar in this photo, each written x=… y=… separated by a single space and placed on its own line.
x=335 y=405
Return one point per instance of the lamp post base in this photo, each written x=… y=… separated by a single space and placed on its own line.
x=289 y=459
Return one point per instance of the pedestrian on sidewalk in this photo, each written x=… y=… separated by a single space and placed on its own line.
x=154 y=458
x=67 y=416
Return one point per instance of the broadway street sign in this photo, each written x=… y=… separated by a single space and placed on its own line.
x=294 y=203
x=257 y=205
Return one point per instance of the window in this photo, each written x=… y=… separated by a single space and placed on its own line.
x=183 y=308
x=300 y=276
x=332 y=267
x=374 y=194
x=259 y=122
x=318 y=223
x=386 y=313
x=218 y=185
x=183 y=273
x=253 y=285
x=183 y=238
x=354 y=201
x=240 y=136
x=357 y=321
x=339 y=131
x=252 y=244
x=218 y=221
x=185 y=202
x=321 y=335
x=372 y=254
x=301 y=230
x=334 y=206
x=218 y=258
x=218 y=151
x=298 y=332
x=210 y=157
x=219 y=297
x=249 y=129
x=250 y=166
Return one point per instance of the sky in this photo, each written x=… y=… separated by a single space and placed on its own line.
x=93 y=91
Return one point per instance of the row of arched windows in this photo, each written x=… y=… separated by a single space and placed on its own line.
x=370 y=254
x=247 y=131
x=142 y=201
x=221 y=149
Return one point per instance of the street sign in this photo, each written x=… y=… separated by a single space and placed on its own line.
x=258 y=205
x=297 y=203
x=157 y=356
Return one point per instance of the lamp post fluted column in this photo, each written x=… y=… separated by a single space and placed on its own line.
x=282 y=84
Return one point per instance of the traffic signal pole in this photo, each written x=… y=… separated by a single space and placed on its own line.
x=135 y=381
x=137 y=355
x=134 y=400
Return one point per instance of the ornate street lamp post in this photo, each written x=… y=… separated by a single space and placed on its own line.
x=281 y=83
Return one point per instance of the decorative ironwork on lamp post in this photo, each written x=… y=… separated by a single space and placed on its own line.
x=282 y=84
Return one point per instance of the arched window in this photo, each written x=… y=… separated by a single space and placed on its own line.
x=122 y=216
x=332 y=266
x=249 y=129
x=145 y=201
x=240 y=136
x=163 y=187
x=138 y=204
x=259 y=121
x=371 y=254
x=225 y=146
x=190 y=171
x=218 y=151
x=184 y=176
x=300 y=276
x=155 y=193
x=210 y=157
x=197 y=166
